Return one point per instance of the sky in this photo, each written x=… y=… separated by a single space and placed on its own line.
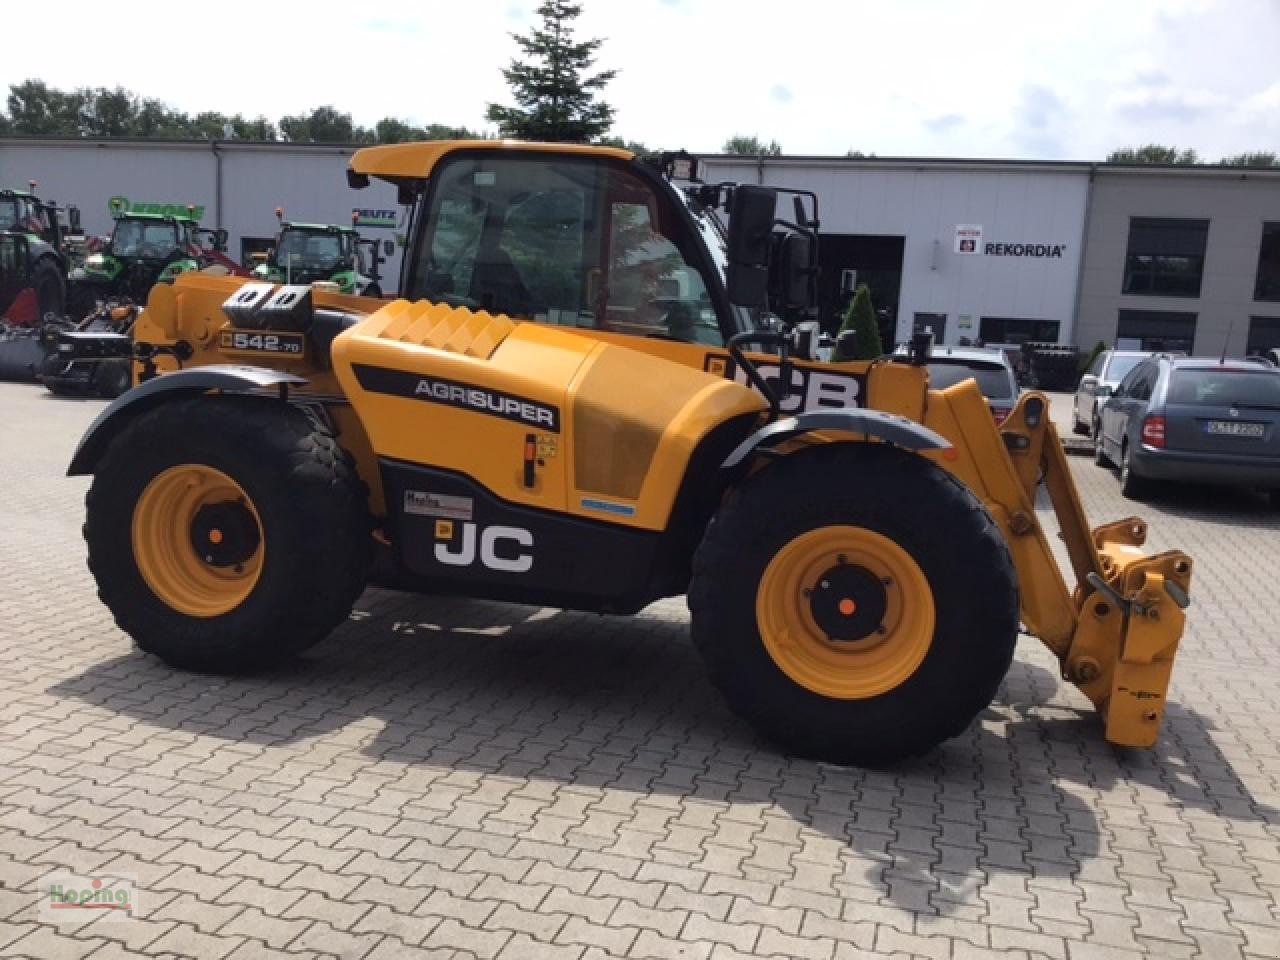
x=932 y=78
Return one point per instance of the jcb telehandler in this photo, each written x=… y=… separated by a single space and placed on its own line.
x=562 y=410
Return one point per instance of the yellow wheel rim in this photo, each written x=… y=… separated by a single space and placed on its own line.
x=845 y=612
x=197 y=540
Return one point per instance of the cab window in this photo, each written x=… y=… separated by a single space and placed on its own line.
x=565 y=241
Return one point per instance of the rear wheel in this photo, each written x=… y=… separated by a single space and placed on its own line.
x=855 y=603
x=226 y=533
x=50 y=289
x=1099 y=451
x=1131 y=485
x=1077 y=427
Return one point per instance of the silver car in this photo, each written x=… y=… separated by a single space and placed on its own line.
x=1099 y=381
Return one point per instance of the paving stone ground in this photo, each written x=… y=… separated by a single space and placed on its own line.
x=461 y=779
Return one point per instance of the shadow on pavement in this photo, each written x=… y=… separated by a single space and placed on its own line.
x=599 y=702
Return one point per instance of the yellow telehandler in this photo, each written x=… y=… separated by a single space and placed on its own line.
x=592 y=396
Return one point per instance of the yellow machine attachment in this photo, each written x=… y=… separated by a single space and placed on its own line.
x=1116 y=634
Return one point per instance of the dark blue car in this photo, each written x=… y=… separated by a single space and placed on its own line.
x=1193 y=419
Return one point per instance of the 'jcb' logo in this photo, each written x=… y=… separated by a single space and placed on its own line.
x=810 y=389
x=505 y=549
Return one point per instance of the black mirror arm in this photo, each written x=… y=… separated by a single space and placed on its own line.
x=778 y=338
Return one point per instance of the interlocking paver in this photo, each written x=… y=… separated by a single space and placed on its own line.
x=453 y=778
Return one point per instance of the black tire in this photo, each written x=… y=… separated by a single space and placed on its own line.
x=81 y=301
x=925 y=511
x=1099 y=448
x=1078 y=428
x=112 y=378
x=1132 y=486
x=50 y=288
x=315 y=530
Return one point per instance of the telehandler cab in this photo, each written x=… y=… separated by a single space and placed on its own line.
x=562 y=410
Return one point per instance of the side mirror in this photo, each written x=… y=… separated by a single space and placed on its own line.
x=751 y=217
x=791 y=271
x=1089 y=383
x=220 y=238
x=388 y=247
x=73 y=218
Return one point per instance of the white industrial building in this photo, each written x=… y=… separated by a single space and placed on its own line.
x=232 y=184
x=997 y=251
x=969 y=249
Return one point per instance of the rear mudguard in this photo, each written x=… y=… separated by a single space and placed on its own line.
x=122 y=410
x=888 y=427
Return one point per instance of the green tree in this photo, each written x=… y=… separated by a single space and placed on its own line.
x=861 y=319
x=1153 y=153
x=751 y=147
x=1256 y=158
x=324 y=125
x=38 y=110
x=556 y=99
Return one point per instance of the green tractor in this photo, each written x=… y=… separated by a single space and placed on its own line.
x=144 y=249
x=35 y=249
x=311 y=252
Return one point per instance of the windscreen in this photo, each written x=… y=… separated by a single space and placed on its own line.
x=1226 y=387
x=309 y=251
x=145 y=240
x=1120 y=366
x=992 y=381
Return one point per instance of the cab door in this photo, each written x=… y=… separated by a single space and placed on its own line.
x=566 y=240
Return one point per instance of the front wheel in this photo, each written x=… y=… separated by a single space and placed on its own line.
x=226 y=533
x=855 y=603
x=113 y=377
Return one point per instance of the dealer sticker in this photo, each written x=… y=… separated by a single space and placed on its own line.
x=426 y=504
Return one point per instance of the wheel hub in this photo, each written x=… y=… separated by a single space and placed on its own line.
x=224 y=534
x=848 y=604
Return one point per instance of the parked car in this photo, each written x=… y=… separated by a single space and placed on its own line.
x=1193 y=419
x=1107 y=370
x=987 y=365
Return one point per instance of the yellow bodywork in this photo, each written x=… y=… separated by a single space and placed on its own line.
x=416 y=161
x=631 y=412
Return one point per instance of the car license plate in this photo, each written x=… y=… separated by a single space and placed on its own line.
x=1233 y=428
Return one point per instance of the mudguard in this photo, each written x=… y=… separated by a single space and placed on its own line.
x=888 y=427
x=227 y=378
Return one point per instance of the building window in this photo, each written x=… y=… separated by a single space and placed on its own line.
x=1018 y=330
x=1268 y=284
x=1165 y=257
x=1264 y=335
x=1156 y=330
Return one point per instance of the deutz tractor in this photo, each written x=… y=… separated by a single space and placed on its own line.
x=309 y=252
x=34 y=249
x=590 y=396
x=144 y=249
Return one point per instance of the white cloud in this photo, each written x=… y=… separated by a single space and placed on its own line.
x=915 y=77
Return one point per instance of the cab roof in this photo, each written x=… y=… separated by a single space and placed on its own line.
x=399 y=162
x=161 y=217
x=316 y=227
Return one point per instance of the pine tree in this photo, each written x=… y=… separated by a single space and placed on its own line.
x=556 y=99
x=861 y=319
